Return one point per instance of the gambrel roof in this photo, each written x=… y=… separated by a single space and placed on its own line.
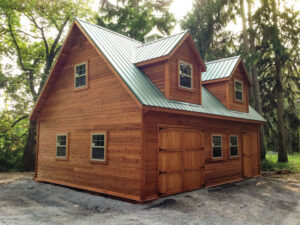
x=123 y=53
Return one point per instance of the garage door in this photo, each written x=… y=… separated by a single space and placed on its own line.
x=181 y=160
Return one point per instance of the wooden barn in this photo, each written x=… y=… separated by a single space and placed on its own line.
x=143 y=120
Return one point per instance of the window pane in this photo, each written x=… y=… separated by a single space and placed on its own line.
x=185 y=69
x=98 y=140
x=238 y=95
x=185 y=81
x=61 y=151
x=61 y=140
x=238 y=86
x=80 y=70
x=234 y=151
x=233 y=140
x=80 y=81
x=217 y=141
x=217 y=152
x=98 y=153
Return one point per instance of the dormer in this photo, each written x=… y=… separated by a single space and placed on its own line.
x=228 y=81
x=153 y=35
x=174 y=65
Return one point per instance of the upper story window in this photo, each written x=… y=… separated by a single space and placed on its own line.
x=217 y=146
x=234 y=146
x=185 y=75
x=98 y=148
x=61 y=146
x=238 y=90
x=80 y=75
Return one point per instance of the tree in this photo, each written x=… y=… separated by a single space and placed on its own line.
x=278 y=67
x=34 y=49
x=206 y=22
x=249 y=53
x=136 y=18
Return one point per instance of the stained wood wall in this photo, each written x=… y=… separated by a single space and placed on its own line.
x=185 y=53
x=216 y=171
x=103 y=106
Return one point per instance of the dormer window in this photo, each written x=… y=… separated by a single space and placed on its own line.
x=185 y=75
x=238 y=90
x=80 y=76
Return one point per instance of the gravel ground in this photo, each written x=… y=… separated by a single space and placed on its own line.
x=266 y=200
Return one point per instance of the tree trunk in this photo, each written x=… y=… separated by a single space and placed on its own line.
x=29 y=151
x=278 y=51
x=246 y=44
x=256 y=90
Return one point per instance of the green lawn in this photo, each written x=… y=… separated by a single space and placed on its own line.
x=271 y=164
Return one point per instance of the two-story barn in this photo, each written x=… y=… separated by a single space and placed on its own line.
x=143 y=120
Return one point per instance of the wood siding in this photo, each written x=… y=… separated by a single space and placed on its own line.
x=156 y=73
x=218 y=89
x=185 y=53
x=243 y=106
x=104 y=106
x=216 y=171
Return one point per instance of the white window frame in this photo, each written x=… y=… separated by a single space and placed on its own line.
x=212 y=146
x=186 y=75
x=235 y=90
x=86 y=75
x=57 y=145
x=105 y=147
x=237 y=145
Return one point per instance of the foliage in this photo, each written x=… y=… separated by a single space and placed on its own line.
x=271 y=164
x=207 y=22
x=31 y=37
x=278 y=53
x=12 y=141
x=136 y=18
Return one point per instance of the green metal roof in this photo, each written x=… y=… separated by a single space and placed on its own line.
x=158 y=48
x=220 y=68
x=120 y=51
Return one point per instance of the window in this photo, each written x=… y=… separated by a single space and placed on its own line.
x=217 y=146
x=98 y=148
x=80 y=75
x=234 y=147
x=61 y=146
x=185 y=75
x=238 y=90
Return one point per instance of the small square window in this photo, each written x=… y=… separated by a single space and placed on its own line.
x=217 y=146
x=61 y=146
x=234 y=146
x=98 y=148
x=238 y=90
x=80 y=75
x=185 y=75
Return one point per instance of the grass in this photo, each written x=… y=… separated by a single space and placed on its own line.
x=271 y=164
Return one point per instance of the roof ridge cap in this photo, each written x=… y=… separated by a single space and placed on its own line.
x=224 y=59
x=114 y=32
x=144 y=44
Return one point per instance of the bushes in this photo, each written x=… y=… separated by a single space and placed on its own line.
x=271 y=164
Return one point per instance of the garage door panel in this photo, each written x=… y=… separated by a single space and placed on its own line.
x=193 y=179
x=181 y=160
x=170 y=161
x=170 y=183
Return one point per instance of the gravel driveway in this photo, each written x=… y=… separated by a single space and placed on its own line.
x=265 y=200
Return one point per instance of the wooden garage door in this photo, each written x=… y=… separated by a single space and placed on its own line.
x=181 y=160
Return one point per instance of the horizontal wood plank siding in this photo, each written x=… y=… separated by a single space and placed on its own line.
x=104 y=106
x=215 y=171
x=243 y=106
x=185 y=53
x=218 y=89
x=156 y=73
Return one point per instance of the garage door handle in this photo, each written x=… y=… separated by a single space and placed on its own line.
x=162 y=172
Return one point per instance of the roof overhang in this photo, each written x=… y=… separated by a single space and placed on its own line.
x=186 y=37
